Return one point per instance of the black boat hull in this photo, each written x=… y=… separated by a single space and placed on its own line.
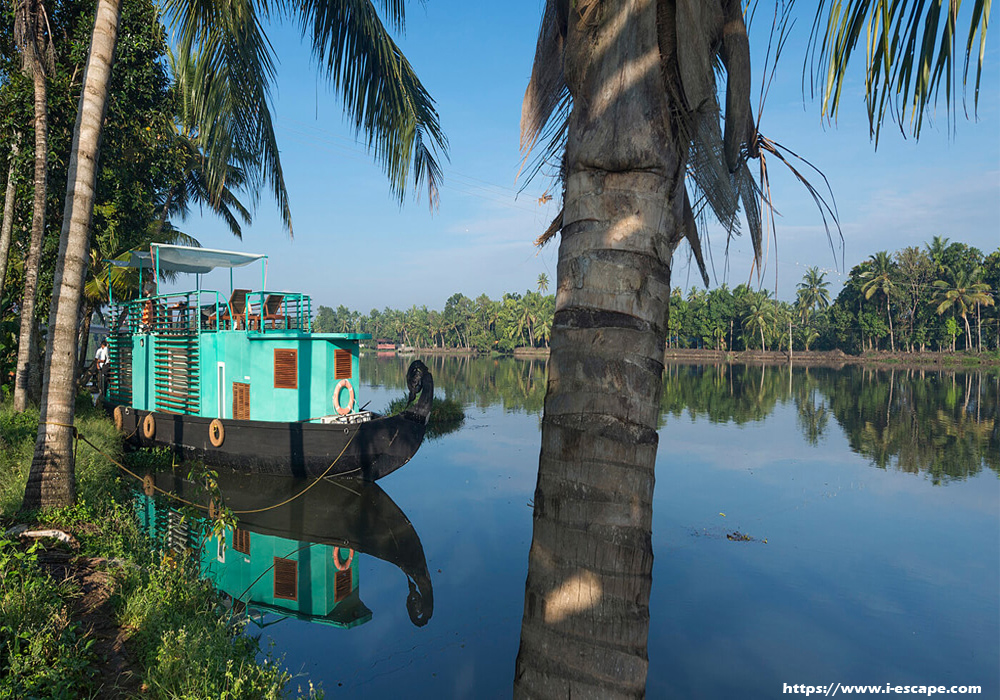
x=369 y=450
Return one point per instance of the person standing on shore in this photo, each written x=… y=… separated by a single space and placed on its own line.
x=103 y=361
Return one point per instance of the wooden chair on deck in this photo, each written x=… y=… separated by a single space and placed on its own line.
x=235 y=311
x=272 y=310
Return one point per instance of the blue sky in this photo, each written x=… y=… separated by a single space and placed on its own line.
x=354 y=245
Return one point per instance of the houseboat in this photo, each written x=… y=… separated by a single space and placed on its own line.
x=303 y=560
x=240 y=379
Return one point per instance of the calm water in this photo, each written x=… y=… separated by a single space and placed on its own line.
x=872 y=500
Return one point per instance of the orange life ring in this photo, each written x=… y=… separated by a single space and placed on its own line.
x=149 y=426
x=343 y=410
x=119 y=418
x=216 y=432
x=342 y=565
x=147 y=312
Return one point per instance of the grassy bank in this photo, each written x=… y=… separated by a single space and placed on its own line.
x=103 y=615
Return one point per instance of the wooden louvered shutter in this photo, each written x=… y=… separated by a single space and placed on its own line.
x=241 y=401
x=286 y=579
x=343 y=583
x=286 y=369
x=241 y=541
x=341 y=364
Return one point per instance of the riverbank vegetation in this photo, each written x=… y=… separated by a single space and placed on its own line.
x=940 y=297
x=104 y=614
x=447 y=415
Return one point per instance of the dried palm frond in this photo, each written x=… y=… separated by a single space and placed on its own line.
x=33 y=36
x=547 y=103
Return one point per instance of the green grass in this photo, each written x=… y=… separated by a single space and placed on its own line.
x=186 y=644
x=42 y=653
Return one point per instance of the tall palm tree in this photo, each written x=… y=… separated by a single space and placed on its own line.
x=879 y=278
x=760 y=317
x=627 y=93
x=959 y=295
x=31 y=34
x=7 y=226
x=813 y=292
x=936 y=248
x=543 y=283
x=381 y=93
x=52 y=480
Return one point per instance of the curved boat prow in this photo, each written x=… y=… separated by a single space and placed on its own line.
x=419 y=381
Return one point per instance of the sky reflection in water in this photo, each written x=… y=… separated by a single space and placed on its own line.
x=879 y=566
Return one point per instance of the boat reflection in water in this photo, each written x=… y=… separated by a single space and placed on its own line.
x=301 y=559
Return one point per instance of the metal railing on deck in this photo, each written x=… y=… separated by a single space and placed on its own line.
x=205 y=311
x=272 y=311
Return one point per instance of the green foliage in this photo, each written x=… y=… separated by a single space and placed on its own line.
x=447 y=415
x=42 y=653
x=187 y=646
x=481 y=325
x=910 y=48
x=177 y=618
x=888 y=288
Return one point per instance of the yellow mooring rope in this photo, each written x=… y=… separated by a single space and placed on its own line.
x=77 y=435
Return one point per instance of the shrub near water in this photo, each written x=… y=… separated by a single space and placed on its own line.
x=447 y=415
x=191 y=647
x=185 y=644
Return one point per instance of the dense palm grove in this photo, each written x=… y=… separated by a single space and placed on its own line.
x=482 y=324
x=151 y=171
x=940 y=297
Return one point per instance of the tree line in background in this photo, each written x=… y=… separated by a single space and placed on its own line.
x=481 y=324
x=939 y=297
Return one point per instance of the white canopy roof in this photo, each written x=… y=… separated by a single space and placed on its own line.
x=182 y=258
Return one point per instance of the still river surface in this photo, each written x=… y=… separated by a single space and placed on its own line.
x=871 y=498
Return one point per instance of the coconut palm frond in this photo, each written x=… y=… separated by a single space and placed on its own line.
x=225 y=66
x=752 y=196
x=381 y=92
x=825 y=203
x=553 y=140
x=709 y=175
x=909 y=49
x=691 y=234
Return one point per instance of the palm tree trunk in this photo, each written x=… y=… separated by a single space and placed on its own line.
x=968 y=332
x=586 y=608
x=82 y=355
x=52 y=480
x=26 y=384
x=892 y=341
x=7 y=228
x=979 y=327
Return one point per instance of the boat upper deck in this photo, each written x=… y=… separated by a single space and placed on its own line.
x=208 y=311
